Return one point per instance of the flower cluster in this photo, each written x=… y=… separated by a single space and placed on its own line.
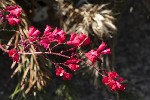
x=113 y=81
x=12 y=14
x=72 y=65
x=51 y=39
x=78 y=40
x=49 y=36
x=93 y=55
x=61 y=72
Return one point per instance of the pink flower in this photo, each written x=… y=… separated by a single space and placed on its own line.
x=74 y=40
x=78 y=40
x=14 y=10
x=47 y=30
x=106 y=80
x=101 y=49
x=14 y=54
x=14 y=15
x=116 y=86
x=47 y=37
x=84 y=39
x=60 y=71
x=45 y=43
x=72 y=61
x=102 y=46
x=33 y=33
x=92 y=56
x=113 y=82
x=112 y=75
x=73 y=64
x=13 y=20
x=74 y=67
x=106 y=51
x=59 y=35
x=67 y=76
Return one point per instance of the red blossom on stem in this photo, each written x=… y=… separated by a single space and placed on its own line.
x=13 y=20
x=78 y=39
x=92 y=56
x=74 y=67
x=14 y=15
x=56 y=36
x=45 y=43
x=14 y=10
x=47 y=30
x=112 y=75
x=102 y=46
x=59 y=35
x=14 y=54
x=60 y=71
x=73 y=64
x=113 y=81
x=47 y=37
x=67 y=76
x=33 y=34
x=101 y=49
x=72 y=61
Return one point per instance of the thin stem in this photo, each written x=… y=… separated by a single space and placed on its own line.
x=117 y=96
x=97 y=69
x=52 y=53
x=9 y=30
x=54 y=46
x=5 y=50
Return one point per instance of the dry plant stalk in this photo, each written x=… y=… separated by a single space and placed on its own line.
x=89 y=18
x=34 y=76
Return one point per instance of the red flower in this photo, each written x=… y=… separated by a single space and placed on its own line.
x=72 y=64
x=14 y=54
x=12 y=20
x=84 y=39
x=72 y=61
x=74 y=67
x=45 y=43
x=14 y=10
x=106 y=51
x=78 y=39
x=14 y=15
x=112 y=75
x=101 y=49
x=60 y=71
x=74 y=40
x=59 y=35
x=67 y=76
x=102 y=46
x=92 y=56
x=47 y=30
x=106 y=80
x=113 y=82
x=47 y=37
x=33 y=33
